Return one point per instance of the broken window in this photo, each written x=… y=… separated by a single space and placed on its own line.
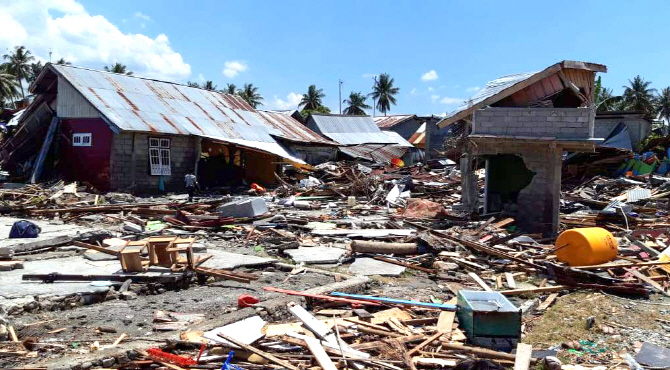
x=82 y=139
x=159 y=157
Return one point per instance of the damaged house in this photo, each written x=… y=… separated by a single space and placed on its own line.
x=360 y=138
x=121 y=132
x=520 y=126
x=421 y=131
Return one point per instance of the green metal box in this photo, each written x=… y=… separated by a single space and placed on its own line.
x=489 y=319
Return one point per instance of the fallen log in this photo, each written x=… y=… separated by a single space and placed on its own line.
x=362 y=246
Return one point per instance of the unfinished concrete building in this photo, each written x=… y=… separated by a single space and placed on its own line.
x=520 y=126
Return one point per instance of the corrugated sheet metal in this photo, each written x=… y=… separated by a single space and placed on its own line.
x=390 y=121
x=139 y=104
x=283 y=125
x=375 y=152
x=399 y=140
x=350 y=130
x=492 y=88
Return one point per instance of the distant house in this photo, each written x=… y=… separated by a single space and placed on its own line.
x=637 y=125
x=360 y=138
x=416 y=129
x=121 y=132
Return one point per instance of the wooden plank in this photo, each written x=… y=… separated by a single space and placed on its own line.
x=320 y=354
x=622 y=265
x=423 y=344
x=479 y=281
x=97 y=248
x=510 y=280
x=649 y=281
x=547 y=302
x=547 y=289
x=445 y=322
x=523 y=355
x=12 y=334
x=257 y=351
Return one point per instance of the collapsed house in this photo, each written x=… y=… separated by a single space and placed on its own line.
x=360 y=138
x=520 y=125
x=637 y=125
x=122 y=132
x=421 y=131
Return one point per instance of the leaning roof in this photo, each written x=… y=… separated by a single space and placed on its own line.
x=289 y=128
x=145 y=105
x=349 y=130
x=505 y=86
x=390 y=121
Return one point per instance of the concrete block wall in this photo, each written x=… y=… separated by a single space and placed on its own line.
x=538 y=203
x=130 y=162
x=638 y=128
x=560 y=123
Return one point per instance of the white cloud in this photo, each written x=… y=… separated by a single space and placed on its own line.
x=368 y=75
x=413 y=92
x=434 y=98
x=451 y=101
x=234 y=67
x=431 y=88
x=473 y=89
x=201 y=78
x=291 y=102
x=70 y=32
x=142 y=16
x=429 y=76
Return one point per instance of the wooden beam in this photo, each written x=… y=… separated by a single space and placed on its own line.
x=257 y=351
x=479 y=281
x=524 y=354
x=546 y=289
x=510 y=280
x=649 y=281
x=320 y=354
x=547 y=302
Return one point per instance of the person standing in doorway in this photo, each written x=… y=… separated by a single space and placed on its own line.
x=191 y=183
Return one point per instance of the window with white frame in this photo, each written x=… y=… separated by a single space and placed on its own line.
x=159 y=156
x=82 y=139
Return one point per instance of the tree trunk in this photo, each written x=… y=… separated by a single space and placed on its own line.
x=18 y=78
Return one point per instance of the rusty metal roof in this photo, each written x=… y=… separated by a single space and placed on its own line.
x=285 y=126
x=375 y=152
x=145 y=105
x=390 y=121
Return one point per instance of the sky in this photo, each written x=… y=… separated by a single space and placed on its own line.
x=438 y=52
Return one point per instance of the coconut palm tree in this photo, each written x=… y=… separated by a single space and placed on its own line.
x=604 y=100
x=18 y=64
x=118 y=68
x=193 y=84
x=231 y=89
x=250 y=94
x=209 y=85
x=313 y=98
x=35 y=70
x=663 y=104
x=63 y=62
x=8 y=86
x=384 y=92
x=639 y=96
x=356 y=104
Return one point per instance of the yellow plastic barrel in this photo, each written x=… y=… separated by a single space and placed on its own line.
x=586 y=246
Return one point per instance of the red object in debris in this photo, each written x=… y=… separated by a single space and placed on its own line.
x=257 y=187
x=160 y=355
x=246 y=300
x=421 y=208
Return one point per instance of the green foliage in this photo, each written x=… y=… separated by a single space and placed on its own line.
x=384 y=92
x=312 y=99
x=18 y=64
x=318 y=110
x=356 y=104
x=118 y=68
x=231 y=89
x=604 y=100
x=251 y=95
x=639 y=96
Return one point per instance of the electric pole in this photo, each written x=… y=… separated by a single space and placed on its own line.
x=374 y=78
x=340 y=93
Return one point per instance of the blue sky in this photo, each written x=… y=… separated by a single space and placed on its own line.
x=284 y=46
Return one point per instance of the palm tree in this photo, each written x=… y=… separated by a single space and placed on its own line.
x=209 y=85
x=639 y=96
x=356 y=104
x=383 y=91
x=193 y=84
x=63 y=62
x=604 y=99
x=663 y=104
x=118 y=68
x=313 y=98
x=35 y=70
x=230 y=89
x=18 y=64
x=8 y=86
x=250 y=94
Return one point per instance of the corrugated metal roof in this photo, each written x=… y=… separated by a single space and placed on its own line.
x=375 y=152
x=492 y=88
x=287 y=127
x=399 y=140
x=349 y=130
x=390 y=121
x=139 y=104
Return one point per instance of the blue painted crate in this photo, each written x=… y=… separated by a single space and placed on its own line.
x=489 y=319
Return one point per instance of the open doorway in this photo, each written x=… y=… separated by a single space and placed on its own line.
x=506 y=176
